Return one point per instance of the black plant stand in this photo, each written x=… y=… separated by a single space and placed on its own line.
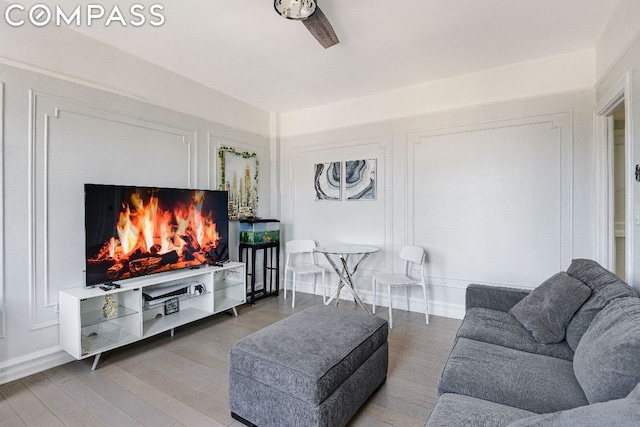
x=270 y=265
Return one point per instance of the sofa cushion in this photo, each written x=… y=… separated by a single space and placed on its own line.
x=607 y=360
x=511 y=377
x=311 y=353
x=619 y=412
x=458 y=410
x=605 y=287
x=501 y=328
x=500 y=298
x=546 y=311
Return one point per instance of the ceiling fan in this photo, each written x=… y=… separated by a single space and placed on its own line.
x=311 y=16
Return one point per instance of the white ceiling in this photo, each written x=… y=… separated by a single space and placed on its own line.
x=245 y=50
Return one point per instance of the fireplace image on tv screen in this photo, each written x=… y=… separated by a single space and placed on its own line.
x=136 y=231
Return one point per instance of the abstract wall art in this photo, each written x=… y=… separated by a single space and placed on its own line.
x=360 y=179
x=327 y=181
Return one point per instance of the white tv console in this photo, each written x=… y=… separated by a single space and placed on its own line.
x=86 y=332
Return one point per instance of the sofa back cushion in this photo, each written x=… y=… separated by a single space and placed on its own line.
x=605 y=287
x=607 y=363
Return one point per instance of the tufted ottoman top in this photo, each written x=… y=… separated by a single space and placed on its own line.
x=308 y=355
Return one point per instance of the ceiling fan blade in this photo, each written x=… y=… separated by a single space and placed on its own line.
x=319 y=26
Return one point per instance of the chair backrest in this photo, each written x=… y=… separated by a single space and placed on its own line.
x=302 y=247
x=412 y=254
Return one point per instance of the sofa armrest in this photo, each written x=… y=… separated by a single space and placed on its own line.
x=493 y=297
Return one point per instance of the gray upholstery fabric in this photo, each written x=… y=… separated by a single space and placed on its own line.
x=607 y=360
x=511 y=377
x=496 y=368
x=501 y=328
x=456 y=410
x=308 y=355
x=493 y=297
x=546 y=311
x=605 y=287
x=620 y=413
x=264 y=406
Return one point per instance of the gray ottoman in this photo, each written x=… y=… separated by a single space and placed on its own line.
x=315 y=368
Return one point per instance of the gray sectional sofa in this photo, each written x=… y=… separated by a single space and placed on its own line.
x=565 y=354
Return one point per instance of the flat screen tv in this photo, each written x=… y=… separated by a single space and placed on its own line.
x=136 y=231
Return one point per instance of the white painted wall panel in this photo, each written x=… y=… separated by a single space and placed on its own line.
x=498 y=194
x=125 y=153
x=58 y=136
x=3 y=309
x=363 y=222
x=488 y=201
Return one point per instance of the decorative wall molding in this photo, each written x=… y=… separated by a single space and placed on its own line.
x=416 y=304
x=43 y=109
x=3 y=308
x=446 y=282
x=562 y=122
x=384 y=165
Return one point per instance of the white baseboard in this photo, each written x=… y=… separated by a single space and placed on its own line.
x=20 y=367
x=436 y=308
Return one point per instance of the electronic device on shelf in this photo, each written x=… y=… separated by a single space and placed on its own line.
x=157 y=295
x=172 y=305
x=136 y=231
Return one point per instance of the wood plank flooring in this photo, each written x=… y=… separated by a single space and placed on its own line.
x=183 y=381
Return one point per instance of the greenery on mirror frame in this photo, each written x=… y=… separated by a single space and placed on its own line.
x=243 y=154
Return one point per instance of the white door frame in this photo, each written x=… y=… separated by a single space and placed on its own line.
x=604 y=238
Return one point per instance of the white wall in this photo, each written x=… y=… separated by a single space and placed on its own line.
x=59 y=135
x=497 y=193
x=492 y=172
x=618 y=62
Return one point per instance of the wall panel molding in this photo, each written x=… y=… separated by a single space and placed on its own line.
x=384 y=171
x=558 y=125
x=450 y=283
x=44 y=110
x=416 y=304
x=3 y=308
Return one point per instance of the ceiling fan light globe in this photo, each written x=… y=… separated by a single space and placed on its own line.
x=295 y=9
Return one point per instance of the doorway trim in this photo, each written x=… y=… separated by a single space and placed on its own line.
x=604 y=238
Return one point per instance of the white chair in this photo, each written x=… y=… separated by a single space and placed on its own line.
x=413 y=257
x=301 y=259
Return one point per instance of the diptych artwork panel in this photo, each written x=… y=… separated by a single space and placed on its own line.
x=327 y=181
x=358 y=180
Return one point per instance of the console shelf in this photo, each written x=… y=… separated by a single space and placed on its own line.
x=86 y=332
x=97 y=316
x=166 y=323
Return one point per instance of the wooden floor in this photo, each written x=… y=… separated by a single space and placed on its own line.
x=183 y=381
